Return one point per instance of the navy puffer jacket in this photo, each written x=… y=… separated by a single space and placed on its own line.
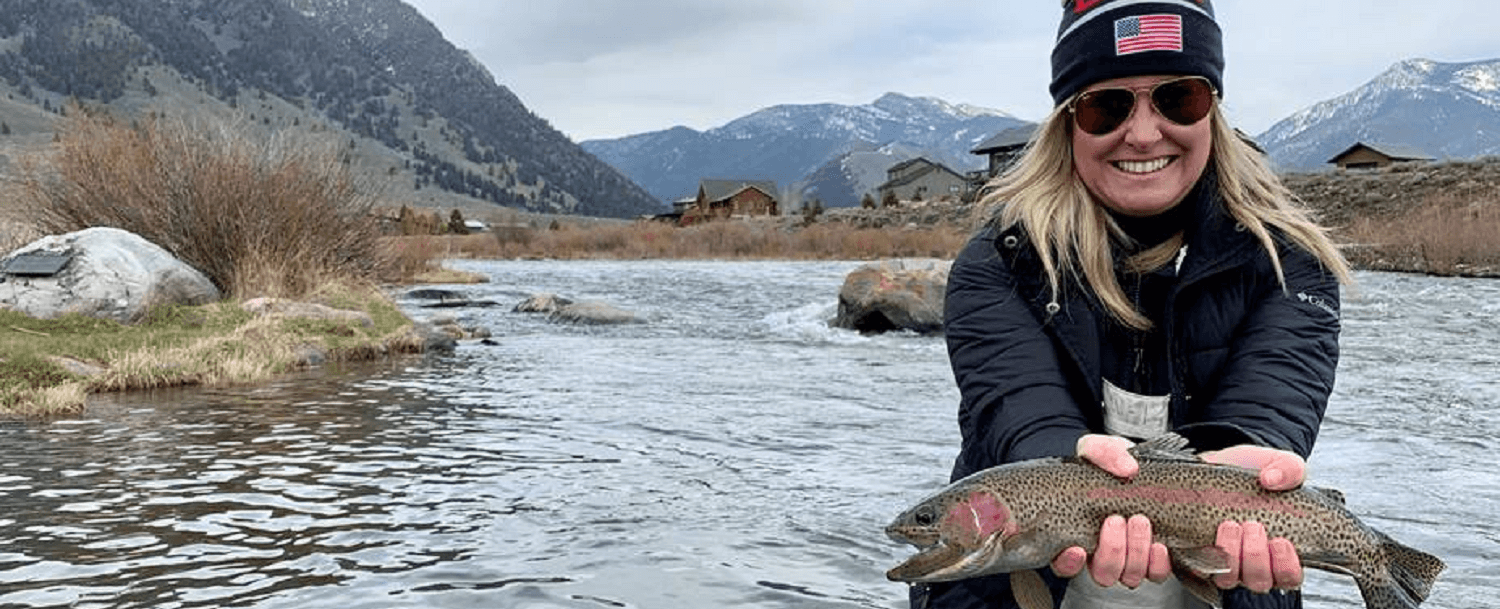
x=1251 y=361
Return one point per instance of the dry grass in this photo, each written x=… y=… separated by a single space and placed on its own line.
x=211 y=345
x=734 y=239
x=1445 y=234
x=273 y=216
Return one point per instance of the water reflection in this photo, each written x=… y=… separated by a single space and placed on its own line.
x=241 y=494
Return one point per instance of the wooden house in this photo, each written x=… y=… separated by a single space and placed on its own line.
x=722 y=199
x=1004 y=148
x=919 y=179
x=1371 y=156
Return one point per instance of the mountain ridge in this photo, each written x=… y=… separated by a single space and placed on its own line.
x=374 y=71
x=1447 y=110
x=789 y=143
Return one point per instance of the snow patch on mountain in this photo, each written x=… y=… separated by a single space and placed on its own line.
x=1447 y=110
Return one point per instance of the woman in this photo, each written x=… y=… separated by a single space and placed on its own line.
x=1146 y=272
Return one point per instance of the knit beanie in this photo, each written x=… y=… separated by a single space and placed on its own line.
x=1103 y=39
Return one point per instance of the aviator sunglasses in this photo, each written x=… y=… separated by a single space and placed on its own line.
x=1184 y=101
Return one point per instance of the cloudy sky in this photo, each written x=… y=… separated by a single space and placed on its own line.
x=608 y=68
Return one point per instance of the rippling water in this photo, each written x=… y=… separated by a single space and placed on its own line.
x=731 y=450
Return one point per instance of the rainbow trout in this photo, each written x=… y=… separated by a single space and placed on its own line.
x=1017 y=517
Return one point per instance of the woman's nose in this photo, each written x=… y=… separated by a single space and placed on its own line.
x=1143 y=127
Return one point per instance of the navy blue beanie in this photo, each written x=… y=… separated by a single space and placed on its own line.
x=1103 y=39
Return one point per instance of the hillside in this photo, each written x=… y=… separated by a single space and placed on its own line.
x=1439 y=218
x=375 y=73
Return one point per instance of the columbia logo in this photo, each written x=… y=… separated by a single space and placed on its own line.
x=1318 y=302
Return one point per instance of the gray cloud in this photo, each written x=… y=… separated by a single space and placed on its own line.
x=606 y=68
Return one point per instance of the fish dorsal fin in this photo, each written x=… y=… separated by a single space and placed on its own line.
x=1332 y=493
x=1166 y=447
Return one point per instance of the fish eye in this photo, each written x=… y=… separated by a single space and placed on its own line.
x=925 y=516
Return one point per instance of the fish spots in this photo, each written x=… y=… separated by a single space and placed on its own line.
x=977 y=518
x=1207 y=497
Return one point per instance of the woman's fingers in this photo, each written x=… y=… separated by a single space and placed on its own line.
x=1161 y=564
x=1286 y=566
x=1279 y=470
x=1229 y=540
x=1137 y=551
x=1255 y=558
x=1110 y=453
x=1070 y=562
x=1109 y=558
x=1256 y=562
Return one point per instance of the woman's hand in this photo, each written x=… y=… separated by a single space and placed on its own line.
x=1127 y=555
x=1255 y=562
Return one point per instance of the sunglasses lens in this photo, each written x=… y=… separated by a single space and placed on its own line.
x=1185 y=101
x=1102 y=111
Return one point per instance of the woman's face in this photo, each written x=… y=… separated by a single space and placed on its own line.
x=1147 y=164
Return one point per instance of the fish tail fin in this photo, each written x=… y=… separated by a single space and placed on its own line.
x=1412 y=573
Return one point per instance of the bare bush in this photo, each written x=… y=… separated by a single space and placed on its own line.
x=272 y=216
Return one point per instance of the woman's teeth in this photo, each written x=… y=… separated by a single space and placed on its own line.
x=1143 y=166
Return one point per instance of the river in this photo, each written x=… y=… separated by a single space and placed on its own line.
x=729 y=451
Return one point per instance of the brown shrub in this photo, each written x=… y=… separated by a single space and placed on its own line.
x=274 y=216
x=1446 y=234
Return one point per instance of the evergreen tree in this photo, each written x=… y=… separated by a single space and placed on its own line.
x=456 y=223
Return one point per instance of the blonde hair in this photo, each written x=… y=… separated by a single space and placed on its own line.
x=1071 y=233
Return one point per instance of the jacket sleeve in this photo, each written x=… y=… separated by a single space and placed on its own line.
x=1015 y=403
x=1274 y=387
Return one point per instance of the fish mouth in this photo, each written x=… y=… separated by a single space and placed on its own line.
x=932 y=564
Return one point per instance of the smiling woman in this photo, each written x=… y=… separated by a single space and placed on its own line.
x=1144 y=272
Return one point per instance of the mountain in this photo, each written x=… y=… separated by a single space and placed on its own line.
x=823 y=147
x=373 y=72
x=1446 y=110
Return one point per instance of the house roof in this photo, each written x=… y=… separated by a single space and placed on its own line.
x=903 y=165
x=1396 y=152
x=1014 y=137
x=916 y=175
x=718 y=190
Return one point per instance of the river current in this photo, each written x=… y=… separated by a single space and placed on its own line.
x=731 y=450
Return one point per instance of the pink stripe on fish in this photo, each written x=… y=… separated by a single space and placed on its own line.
x=1216 y=498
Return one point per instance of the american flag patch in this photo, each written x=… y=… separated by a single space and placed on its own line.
x=1148 y=33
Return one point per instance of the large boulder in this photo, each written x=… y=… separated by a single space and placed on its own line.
x=561 y=309
x=592 y=313
x=894 y=295
x=542 y=303
x=105 y=272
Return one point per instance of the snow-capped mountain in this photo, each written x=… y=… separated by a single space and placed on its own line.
x=790 y=143
x=1446 y=110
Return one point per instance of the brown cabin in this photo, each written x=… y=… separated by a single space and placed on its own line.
x=723 y=199
x=1372 y=156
